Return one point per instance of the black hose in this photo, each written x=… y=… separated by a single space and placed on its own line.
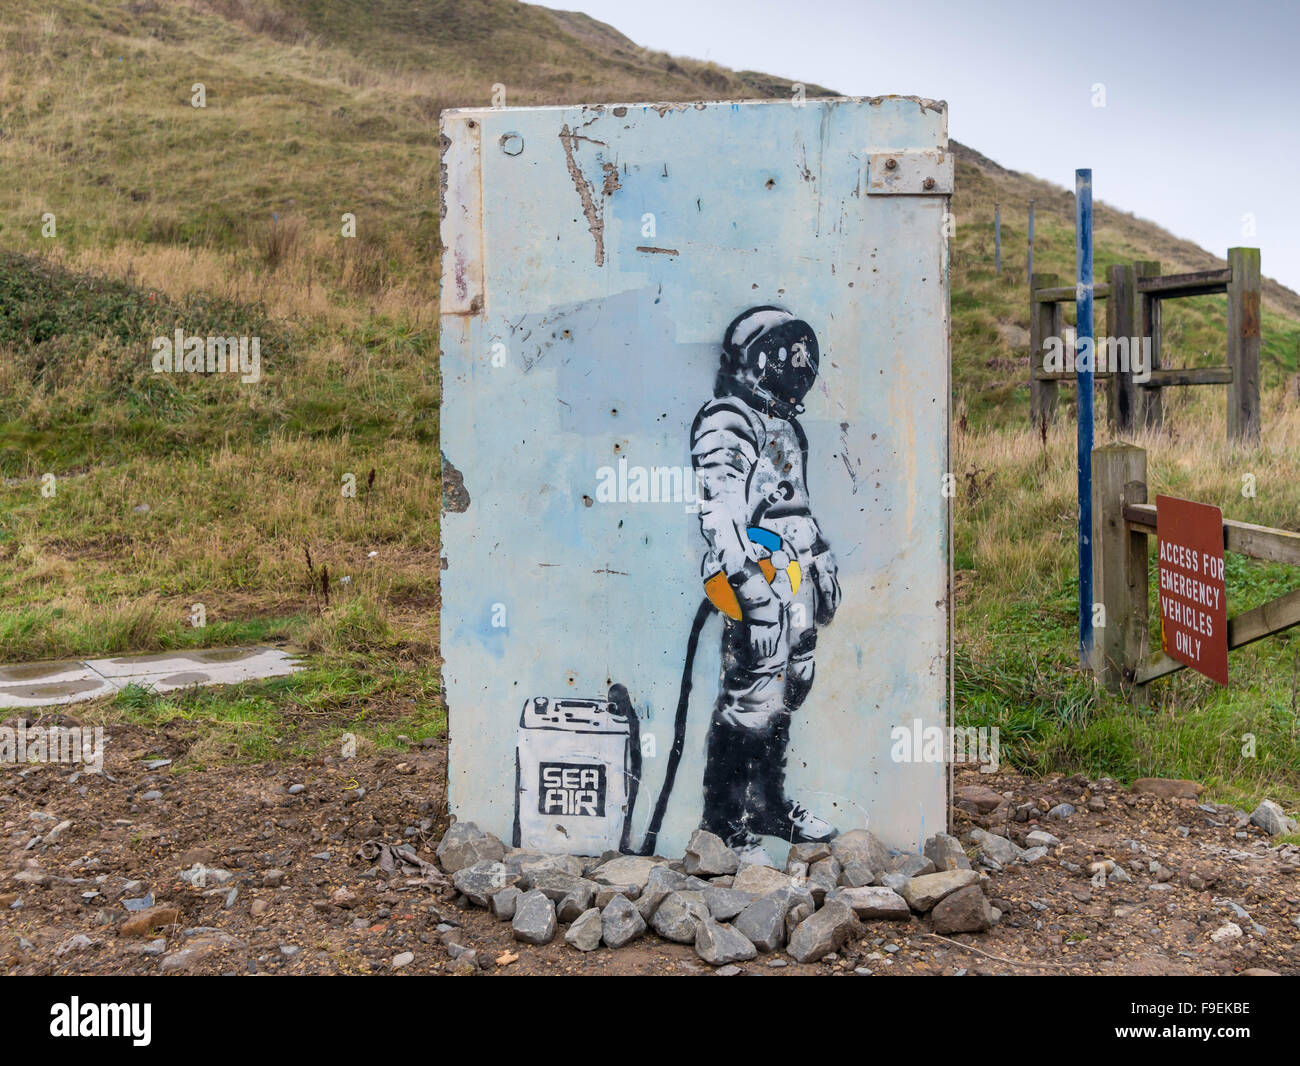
x=622 y=704
x=679 y=736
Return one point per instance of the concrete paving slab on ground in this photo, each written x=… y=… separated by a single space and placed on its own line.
x=70 y=681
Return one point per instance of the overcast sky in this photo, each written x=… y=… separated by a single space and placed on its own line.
x=1201 y=123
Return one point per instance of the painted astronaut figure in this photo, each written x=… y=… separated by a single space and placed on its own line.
x=767 y=568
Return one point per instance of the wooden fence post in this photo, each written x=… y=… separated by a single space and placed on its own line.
x=1044 y=322
x=1146 y=315
x=1243 y=345
x=1119 y=563
x=1123 y=400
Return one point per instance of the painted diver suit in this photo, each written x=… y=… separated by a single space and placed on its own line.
x=750 y=458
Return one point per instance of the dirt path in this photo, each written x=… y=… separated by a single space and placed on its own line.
x=302 y=903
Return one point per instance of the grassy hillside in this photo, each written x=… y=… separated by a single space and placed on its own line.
x=226 y=219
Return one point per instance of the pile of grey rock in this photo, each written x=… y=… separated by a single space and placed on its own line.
x=729 y=911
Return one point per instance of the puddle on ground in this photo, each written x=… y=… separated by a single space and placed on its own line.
x=201 y=655
x=33 y=671
x=45 y=692
x=225 y=655
x=192 y=677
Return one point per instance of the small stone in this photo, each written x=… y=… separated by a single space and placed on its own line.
x=502 y=904
x=586 y=931
x=661 y=882
x=1167 y=789
x=727 y=971
x=823 y=877
x=708 y=856
x=895 y=882
x=621 y=922
x=977 y=799
x=870 y=903
x=556 y=884
x=857 y=875
x=138 y=903
x=762 y=923
x=297 y=790
x=343 y=897
x=922 y=893
x=678 y=917
x=760 y=880
x=725 y=903
x=721 y=945
x=965 y=911
x=144 y=923
x=909 y=864
x=823 y=932
x=1271 y=818
x=861 y=846
x=404 y=959
x=52 y=835
x=529 y=865
x=464 y=844
x=273 y=878
x=1061 y=811
x=1040 y=838
x=626 y=871
x=777 y=964
x=534 y=920
x=946 y=853
x=807 y=854
x=80 y=942
x=151 y=795
x=795 y=916
x=994 y=851
x=1230 y=931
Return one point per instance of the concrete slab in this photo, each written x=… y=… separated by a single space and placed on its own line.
x=51 y=683
x=169 y=662
x=52 y=693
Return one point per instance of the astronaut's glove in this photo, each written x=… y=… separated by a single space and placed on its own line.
x=760 y=609
x=826 y=579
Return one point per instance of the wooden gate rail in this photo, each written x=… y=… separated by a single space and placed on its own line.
x=1122 y=520
x=1134 y=298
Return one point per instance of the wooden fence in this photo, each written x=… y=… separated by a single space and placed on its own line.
x=1121 y=522
x=1134 y=296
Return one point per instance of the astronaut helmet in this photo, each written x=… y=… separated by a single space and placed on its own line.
x=769 y=358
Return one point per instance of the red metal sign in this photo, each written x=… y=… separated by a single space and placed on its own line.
x=1193 y=595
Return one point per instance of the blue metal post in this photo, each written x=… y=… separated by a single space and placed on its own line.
x=1083 y=377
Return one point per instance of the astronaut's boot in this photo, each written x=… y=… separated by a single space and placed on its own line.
x=778 y=815
x=730 y=785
